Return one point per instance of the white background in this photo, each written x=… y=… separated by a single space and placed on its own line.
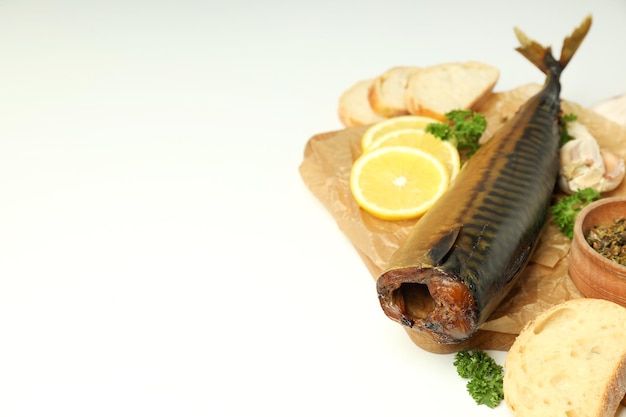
x=159 y=252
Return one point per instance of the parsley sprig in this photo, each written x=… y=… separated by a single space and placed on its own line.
x=565 y=211
x=485 y=376
x=464 y=129
x=563 y=121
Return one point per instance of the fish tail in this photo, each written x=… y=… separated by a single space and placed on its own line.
x=542 y=57
x=572 y=42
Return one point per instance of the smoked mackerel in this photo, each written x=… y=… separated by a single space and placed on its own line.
x=463 y=256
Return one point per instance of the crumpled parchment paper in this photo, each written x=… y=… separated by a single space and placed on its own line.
x=325 y=169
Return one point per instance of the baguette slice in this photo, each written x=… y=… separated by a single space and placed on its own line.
x=386 y=95
x=570 y=361
x=354 y=106
x=438 y=89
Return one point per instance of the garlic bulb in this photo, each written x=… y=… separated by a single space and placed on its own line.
x=584 y=164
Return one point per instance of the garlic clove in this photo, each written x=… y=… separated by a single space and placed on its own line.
x=581 y=164
x=614 y=171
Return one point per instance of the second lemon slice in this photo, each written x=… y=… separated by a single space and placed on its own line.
x=443 y=150
x=381 y=128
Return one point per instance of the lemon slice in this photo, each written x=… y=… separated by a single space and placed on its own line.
x=443 y=150
x=395 y=123
x=397 y=182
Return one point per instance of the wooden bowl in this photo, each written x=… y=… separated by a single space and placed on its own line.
x=595 y=275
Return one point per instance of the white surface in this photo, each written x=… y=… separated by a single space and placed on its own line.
x=159 y=253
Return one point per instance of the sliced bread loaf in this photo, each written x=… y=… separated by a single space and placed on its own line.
x=354 y=106
x=386 y=94
x=570 y=361
x=438 y=89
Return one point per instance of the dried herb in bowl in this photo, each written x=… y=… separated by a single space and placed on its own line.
x=609 y=240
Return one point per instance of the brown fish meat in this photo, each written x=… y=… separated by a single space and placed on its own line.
x=465 y=254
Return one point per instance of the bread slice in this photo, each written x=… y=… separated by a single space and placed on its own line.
x=386 y=95
x=569 y=361
x=438 y=89
x=354 y=106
